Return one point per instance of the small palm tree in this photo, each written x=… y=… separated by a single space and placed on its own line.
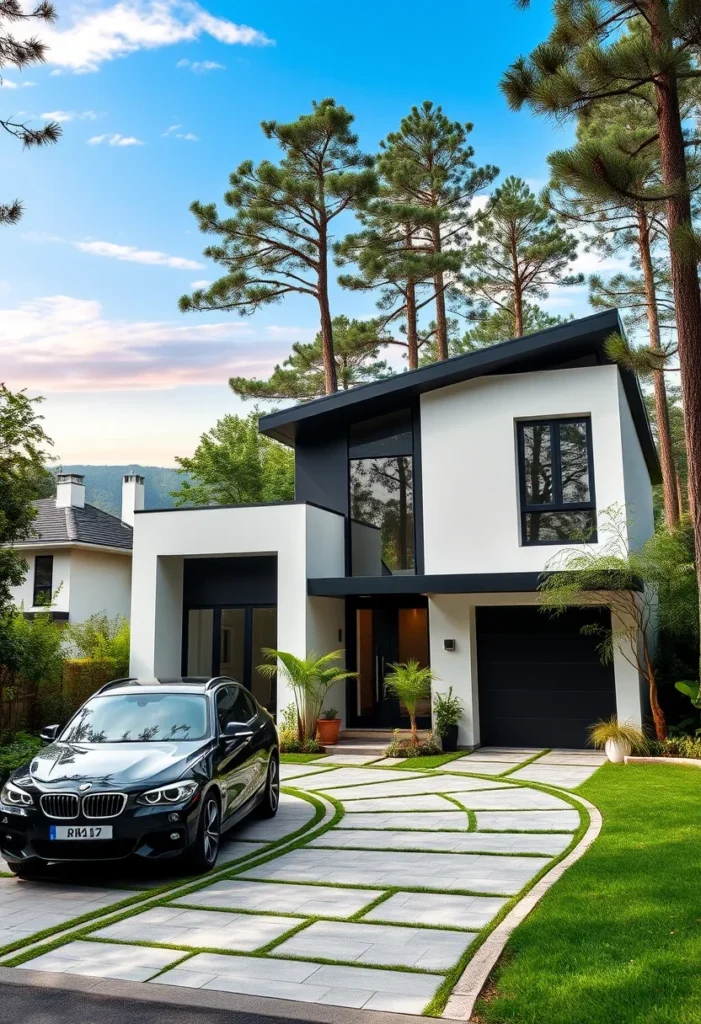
x=410 y=683
x=309 y=678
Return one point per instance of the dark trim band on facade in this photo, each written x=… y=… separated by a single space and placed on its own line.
x=443 y=583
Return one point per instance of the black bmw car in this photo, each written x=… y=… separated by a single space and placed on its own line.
x=157 y=768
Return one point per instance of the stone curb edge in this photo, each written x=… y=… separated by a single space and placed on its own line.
x=464 y=996
x=694 y=762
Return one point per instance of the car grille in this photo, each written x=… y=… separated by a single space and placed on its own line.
x=103 y=805
x=60 y=805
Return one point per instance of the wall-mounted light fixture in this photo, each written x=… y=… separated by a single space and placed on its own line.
x=449 y=645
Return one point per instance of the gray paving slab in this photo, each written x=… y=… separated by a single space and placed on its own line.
x=579 y=757
x=350 y=760
x=476 y=767
x=428 y=820
x=292 y=814
x=564 y=776
x=201 y=929
x=354 y=777
x=307 y=900
x=469 y=912
x=104 y=960
x=429 y=949
x=446 y=842
x=402 y=804
x=436 y=782
x=529 y=821
x=233 y=848
x=440 y=871
x=390 y=762
x=516 y=798
x=297 y=771
x=510 y=754
x=27 y=907
x=394 y=991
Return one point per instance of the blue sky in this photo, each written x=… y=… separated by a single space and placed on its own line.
x=159 y=102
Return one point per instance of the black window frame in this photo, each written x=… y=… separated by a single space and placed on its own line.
x=43 y=588
x=557 y=504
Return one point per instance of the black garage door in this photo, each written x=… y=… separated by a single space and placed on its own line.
x=541 y=681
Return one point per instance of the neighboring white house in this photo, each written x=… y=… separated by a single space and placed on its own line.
x=427 y=507
x=79 y=557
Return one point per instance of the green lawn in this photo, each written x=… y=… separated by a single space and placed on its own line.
x=430 y=761
x=299 y=758
x=618 y=939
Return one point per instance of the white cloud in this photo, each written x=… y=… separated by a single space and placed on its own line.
x=7 y=83
x=133 y=255
x=200 y=67
x=92 y=35
x=188 y=137
x=70 y=115
x=114 y=140
x=173 y=133
x=60 y=343
x=200 y=284
x=169 y=131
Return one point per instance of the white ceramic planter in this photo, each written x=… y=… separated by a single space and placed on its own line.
x=617 y=750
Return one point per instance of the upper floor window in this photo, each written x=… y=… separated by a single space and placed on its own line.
x=556 y=474
x=43 y=579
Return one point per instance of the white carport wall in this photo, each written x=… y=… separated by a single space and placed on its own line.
x=453 y=616
x=307 y=541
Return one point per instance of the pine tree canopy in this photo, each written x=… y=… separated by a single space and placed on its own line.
x=22 y=53
x=520 y=251
x=301 y=375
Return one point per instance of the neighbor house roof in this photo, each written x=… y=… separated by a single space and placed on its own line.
x=72 y=525
x=574 y=343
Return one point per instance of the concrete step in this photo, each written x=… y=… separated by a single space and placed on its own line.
x=378 y=735
x=367 y=749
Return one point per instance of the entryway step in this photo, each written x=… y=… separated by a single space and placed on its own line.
x=369 y=749
x=378 y=735
x=368 y=742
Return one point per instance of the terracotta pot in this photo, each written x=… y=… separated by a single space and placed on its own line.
x=617 y=750
x=327 y=730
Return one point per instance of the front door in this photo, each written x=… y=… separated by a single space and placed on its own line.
x=385 y=634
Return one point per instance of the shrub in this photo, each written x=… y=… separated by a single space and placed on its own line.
x=31 y=662
x=402 y=746
x=622 y=732
x=678 y=746
x=310 y=679
x=102 y=639
x=81 y=678
x=411 y=683
x=447 y=711
x=13 y=755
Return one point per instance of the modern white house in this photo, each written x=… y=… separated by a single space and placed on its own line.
x=427 y=507
x=79 y=557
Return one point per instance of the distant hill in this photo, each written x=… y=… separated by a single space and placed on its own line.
x=103 y=485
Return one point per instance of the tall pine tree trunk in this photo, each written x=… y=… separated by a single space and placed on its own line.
x=412 y=331
x=330 y=376
x=669 y=472
x=439 y=285
x=518 y=291
x=685 y=278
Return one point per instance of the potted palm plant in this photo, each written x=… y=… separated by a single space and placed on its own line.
x=310 y=679
x=447 y=711
x=618 y=739
x=411 y=684
x=328 y=727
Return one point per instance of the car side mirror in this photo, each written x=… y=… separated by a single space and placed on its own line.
x=236 y=732
x=49 y=733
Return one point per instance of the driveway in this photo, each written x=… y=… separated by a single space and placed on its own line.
x=378 y=905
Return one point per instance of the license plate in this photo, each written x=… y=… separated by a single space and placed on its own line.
x=80 y=832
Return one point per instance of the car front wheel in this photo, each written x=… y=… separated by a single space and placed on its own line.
x=202 y=855
x=268 y=806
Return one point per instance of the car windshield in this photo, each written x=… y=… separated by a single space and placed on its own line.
x=139 y=718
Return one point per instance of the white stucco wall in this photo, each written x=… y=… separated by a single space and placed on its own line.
x=636 y=482
x=306 y=540
x=24 y=594
x=470 y=468
x=100 y=582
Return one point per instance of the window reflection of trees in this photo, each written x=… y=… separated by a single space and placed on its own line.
x=84 y=730
x=382 y=495
x=556 y=473
x=574 y=463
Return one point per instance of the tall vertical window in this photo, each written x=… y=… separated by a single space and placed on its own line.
x=382 y=506
x=557 y=482
x=43 y=579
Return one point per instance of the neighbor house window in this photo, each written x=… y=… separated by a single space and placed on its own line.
x=43 y=579
x=556 y=481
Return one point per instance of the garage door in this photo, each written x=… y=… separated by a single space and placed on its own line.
x=541 y=681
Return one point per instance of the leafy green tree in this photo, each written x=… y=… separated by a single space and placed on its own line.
x=612 y=576
x=31 y=664
x=411 y=684
x=427 y=166
x=589 y=58
x=623 y=224
x=278 y=238
x=491 y=327
x=20 y=54
x=23 y=455
x=301 y=377
x=234 y=464
x=520 y=252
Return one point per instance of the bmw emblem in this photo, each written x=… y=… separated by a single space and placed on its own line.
x=84 y=786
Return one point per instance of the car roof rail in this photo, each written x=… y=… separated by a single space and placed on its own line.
x=215 y=680
x=115 y=682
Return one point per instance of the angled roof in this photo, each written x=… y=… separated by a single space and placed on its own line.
x=87 y=525
x=575 y=342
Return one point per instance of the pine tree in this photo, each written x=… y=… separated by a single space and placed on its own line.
x=491 y=327
x=22 y=53
x=428 y=164
x=520 y=251
x=278 y=238
x=621 y=224
x=587 y=59
x=301 y=376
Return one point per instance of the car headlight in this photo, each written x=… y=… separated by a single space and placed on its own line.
x=177 y=793
x=14 y=796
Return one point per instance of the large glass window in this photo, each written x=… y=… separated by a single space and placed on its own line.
x=43 y=579
x=556 y=478
x=263 y=634
x=200 y=636
x=382 y=507
x=232 y=644
x=139 y=718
